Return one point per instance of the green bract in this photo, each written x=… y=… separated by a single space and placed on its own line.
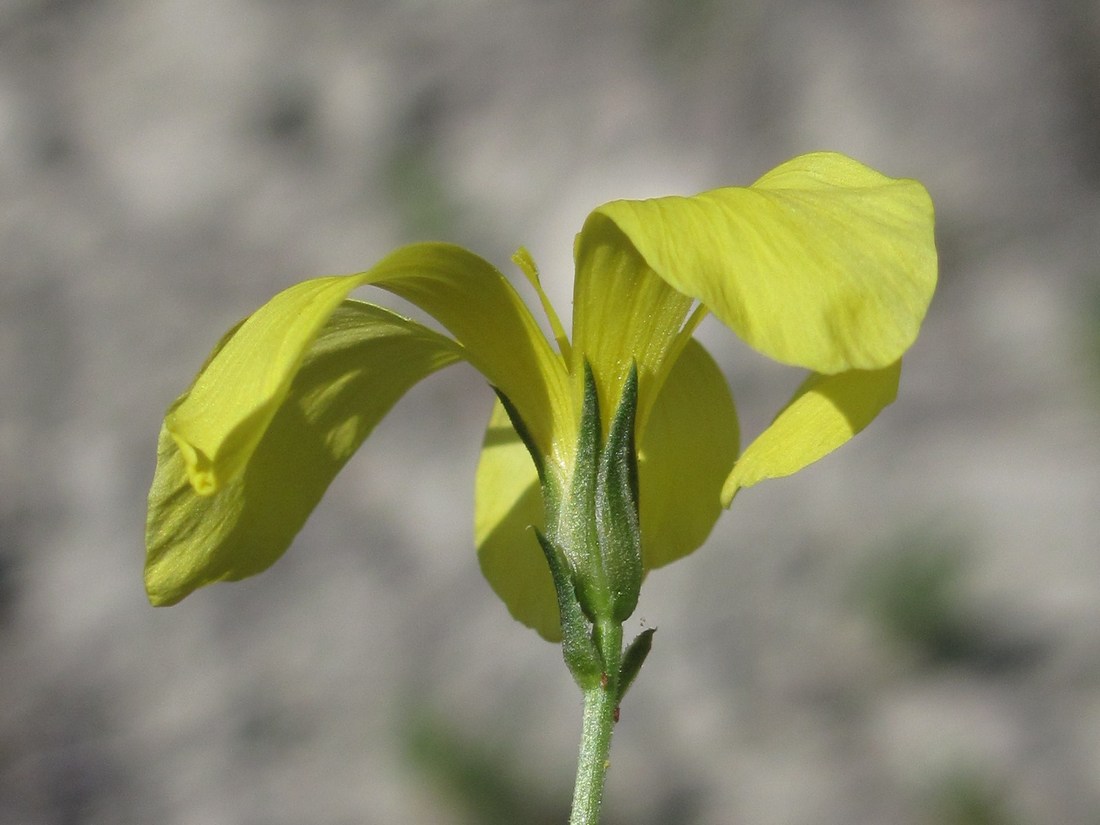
x=822 y=264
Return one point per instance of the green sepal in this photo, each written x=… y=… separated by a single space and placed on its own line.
x=524 y=435
x=617 y=526
x=633 y=659
x=598 y=529
x=577 y=531
x=581 y=655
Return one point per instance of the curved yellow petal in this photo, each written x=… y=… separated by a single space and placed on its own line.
x=825 y=412
x=478 y=305
x=822 y=263
x=217 y=425
x=686 y=452
x=219 y=421
x=361 y=362
x=623 y=314
x=507 y=503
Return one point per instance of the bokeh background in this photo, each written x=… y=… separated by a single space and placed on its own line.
x=909 y=632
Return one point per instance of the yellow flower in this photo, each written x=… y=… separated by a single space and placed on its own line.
x=822 y=264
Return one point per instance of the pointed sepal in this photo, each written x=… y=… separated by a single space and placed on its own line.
x=598 y=526
x=576 y=531
x=633 y=659
x=579 y=651
x=618 y=530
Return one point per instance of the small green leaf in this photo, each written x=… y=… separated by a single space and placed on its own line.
x=634 y=658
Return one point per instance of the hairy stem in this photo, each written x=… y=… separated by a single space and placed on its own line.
x=600 y=703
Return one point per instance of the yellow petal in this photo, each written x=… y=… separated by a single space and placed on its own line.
x=363 y=360
x=623 y=314
x=508 y=502
x=218 y=422
x=478 y=305
x=825 y=412
x=217 y=425
x=686 y=451
x=822 y=263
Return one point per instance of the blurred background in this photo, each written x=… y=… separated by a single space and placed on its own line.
x=908 y=632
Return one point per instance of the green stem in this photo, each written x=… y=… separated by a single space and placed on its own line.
x=599 y=720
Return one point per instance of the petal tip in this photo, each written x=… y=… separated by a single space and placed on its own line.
x=159 y=593
x=201 y=471
x=730 y=490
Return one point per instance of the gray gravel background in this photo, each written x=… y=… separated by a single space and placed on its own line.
x=907 y=633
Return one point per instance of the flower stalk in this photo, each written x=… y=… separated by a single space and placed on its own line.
x=601 y=704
